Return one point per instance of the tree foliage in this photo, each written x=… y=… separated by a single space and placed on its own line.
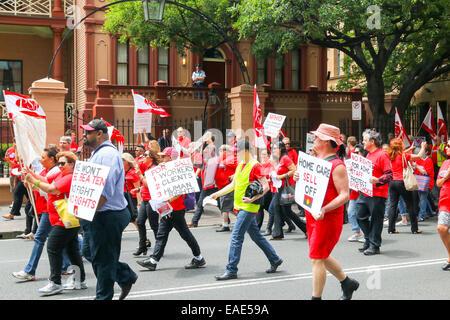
x=409 y=47
x=184 y=28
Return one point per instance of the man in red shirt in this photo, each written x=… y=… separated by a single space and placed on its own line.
x=224 y=175
x=370 y=210
x=291 y=152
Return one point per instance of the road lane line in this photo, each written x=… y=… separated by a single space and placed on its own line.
x=263 y=281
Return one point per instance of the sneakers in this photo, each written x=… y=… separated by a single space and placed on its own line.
x=73 y=284
x=401 y=223
x=22 y=275
x=50 y=289
x=356 y=237
x=195 y=264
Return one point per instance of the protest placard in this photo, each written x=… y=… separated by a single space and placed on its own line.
x=310 y=189
x=87 y=185
x=272 y=124
x=142 y=122
x=171 y=179
x=359 y=174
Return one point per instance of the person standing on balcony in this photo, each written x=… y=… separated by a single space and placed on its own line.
x=198 y=80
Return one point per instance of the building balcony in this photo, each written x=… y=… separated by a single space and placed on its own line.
x=33 y=7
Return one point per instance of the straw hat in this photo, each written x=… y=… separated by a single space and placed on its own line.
x=328 y=132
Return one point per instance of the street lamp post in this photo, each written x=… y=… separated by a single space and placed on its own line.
x=153 y=11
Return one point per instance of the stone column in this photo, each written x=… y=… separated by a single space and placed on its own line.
x=58 y=62
x=103 y=107
x=314 y=111
x=49 y=93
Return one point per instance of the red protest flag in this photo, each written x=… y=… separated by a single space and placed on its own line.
x=400 y=131
x=428 y=123
x=442 y=128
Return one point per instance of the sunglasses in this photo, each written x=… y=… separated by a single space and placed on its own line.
x=61 y=164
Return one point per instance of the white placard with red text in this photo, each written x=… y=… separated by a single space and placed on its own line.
x=360 y=172
x=272 y=124
x=87 y=186
x=172 y=178
x=310 y=189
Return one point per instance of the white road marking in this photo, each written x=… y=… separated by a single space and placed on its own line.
x=261 y=281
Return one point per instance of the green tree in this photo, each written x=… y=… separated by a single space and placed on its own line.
x=403 y=44
x=182 y=27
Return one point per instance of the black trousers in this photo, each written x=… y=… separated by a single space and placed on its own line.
x=370 y=215
x=19 y=192
x=199 y=209
x=30 y=221
x=59 y=239
x=265 y=203
x=166 y=224
x=146 y=212
x=397 y=189
x=283 y=213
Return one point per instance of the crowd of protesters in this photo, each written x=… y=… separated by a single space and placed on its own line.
x=237 y=170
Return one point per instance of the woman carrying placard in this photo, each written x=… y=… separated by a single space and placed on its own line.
x=324 y=230
x=61 y=237
x=284 y=172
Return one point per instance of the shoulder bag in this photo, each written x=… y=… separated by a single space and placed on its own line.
x=409 y=179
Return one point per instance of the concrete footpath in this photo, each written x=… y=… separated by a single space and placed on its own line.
x=9 y=229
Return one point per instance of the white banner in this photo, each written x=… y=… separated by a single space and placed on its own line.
x=360 y=172
x=87 y=186
x=312 y=185
x=272 y=124
x=142 y=121
x=171 y=179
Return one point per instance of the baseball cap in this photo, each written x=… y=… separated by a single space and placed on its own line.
x=169 y=151
x=95 y=124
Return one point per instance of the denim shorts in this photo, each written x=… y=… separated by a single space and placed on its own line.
x=444 y=218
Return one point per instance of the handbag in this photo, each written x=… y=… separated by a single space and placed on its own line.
x=287 y=193
x=423 y=182
x=408 y=177
x=69 y=220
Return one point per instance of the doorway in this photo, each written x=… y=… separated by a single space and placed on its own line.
x=214 y=66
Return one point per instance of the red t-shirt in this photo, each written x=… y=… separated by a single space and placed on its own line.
x=62 y=183
x=184 y=142
x=283 y=167
x=398 y=164
x=131 y=178
x=353 y=195
x=140 y=161
x=293 y=155
x=267 y=168
x=256 y=173
x=40 y=201
x=224 y=171
x=434 y=152
x=10 y=156
x=178 y=204
x=380 y=163
x=427 y=164
x=444 y=196
x=145 y=193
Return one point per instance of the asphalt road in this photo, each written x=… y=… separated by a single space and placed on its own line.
x=408 y=268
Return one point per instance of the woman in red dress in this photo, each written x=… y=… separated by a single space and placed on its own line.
x=325 y=229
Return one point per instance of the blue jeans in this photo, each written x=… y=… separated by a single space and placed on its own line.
x=352 y=216
x=246 y=222
x=401 y=206
x=39 y=241
x=425 y=206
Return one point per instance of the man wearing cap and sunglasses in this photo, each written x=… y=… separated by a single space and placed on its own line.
x=103 y=235
x=247 y=171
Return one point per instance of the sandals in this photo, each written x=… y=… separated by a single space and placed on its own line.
x=393 y=232
x=417 y=232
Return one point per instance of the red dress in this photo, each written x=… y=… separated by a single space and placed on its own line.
x=324 y=234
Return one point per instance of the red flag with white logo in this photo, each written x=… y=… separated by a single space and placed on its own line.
x=19 y=103
x=260 y=139
x=428 y=123
x=400 y=131
x=115 y=135
x=442 y=128
x=144 y=105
